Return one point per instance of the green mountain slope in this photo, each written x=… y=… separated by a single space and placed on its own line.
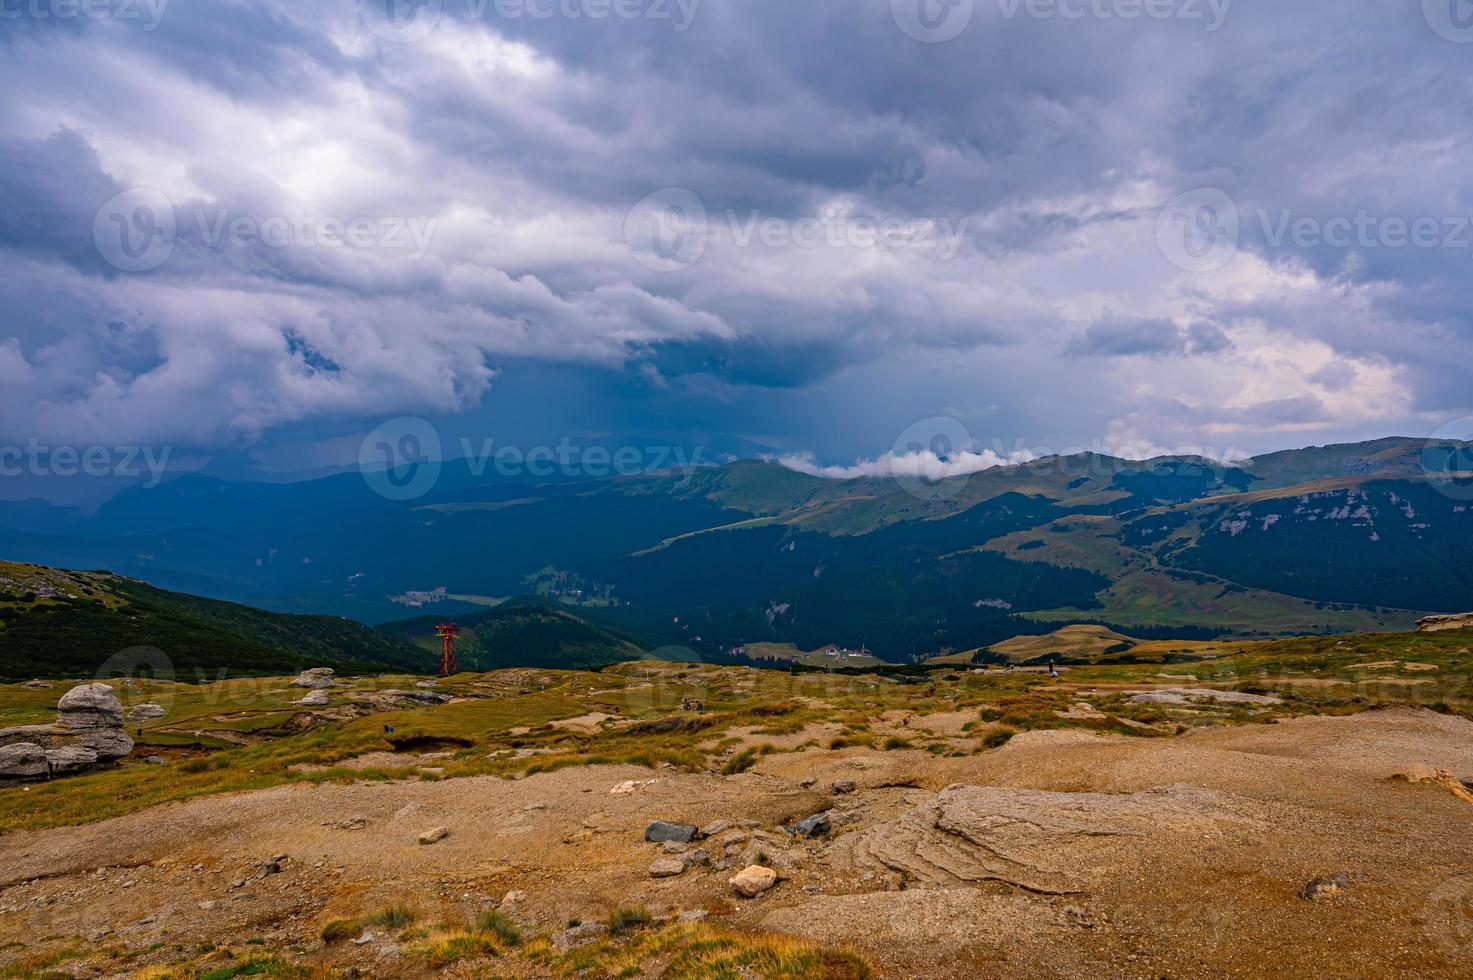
x=56 y=623
x=525 y=632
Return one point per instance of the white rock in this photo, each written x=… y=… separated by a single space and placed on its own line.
x=753 y=881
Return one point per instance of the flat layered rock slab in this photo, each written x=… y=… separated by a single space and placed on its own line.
x=1043 y=842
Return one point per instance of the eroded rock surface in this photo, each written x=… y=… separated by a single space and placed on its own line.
x=1043 y=842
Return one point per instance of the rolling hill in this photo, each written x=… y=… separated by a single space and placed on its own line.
x=56 y=623
x=524 y=632
x=1334 y=539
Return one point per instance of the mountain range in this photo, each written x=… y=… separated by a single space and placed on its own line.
x=1348 y=538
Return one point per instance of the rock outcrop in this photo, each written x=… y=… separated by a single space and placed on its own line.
x=1436 y=624
x=317 y=678
x=88 y=734
x=1043 y=842
x=146 y=712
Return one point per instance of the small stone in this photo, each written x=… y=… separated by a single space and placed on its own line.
x=674 y=847
x=667 y=868
x=209 y=906
x=714 y=829
x=808 y=783
x=433 y=836
x=156 y=760
x=753 y=881
x=662 y=830
x=694 y=915
x=697 y=857
x=844 y=787
x=1327 y=887
x=513 y=898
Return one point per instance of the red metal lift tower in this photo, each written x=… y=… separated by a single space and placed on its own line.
x=447 y=633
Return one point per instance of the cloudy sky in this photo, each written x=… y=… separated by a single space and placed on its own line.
x=254 y=230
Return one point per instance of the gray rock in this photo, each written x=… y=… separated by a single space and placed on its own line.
x=156 y=760
x=316 y=678
x=844 y=787
x=90 y=706
x=661 y=831
x=693 y=915
x=580 y=935
x=38 y=685
x=817 y=825
x=71 y=758
x=316 y=699
x=24 y=760
x=108 y=743
x=145 y=712
x=667 y=867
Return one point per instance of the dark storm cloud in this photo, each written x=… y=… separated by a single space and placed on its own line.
x=520 y=144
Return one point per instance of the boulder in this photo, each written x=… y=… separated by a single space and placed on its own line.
x=89 y=706
x=108 y=743
x=844 y=787
x=37 y=685
x=316 y=678
x=70 y=759
x=661 y=831
x=753 y=881
x=145 y=712
x=667 y=867
x=817 y=825
x=316 y=699
x=433 y=836
x=23 y=760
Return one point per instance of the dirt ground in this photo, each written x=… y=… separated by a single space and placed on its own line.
x=1060 y=854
